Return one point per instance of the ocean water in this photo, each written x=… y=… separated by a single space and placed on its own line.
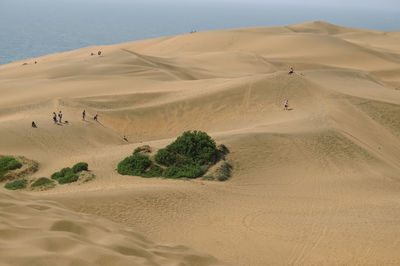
x=31 y=28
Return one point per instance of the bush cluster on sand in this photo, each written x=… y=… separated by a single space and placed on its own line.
x=64 y=176
x=69 y=175
x=79 y=167
x=136 y=164
x=190 y=156
x=17 y=184
x=8 y=163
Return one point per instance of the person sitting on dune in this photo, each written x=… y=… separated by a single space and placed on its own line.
x=291 y=71
x=34 y=124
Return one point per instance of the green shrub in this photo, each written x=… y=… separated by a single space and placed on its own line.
x=43 y=181
x=190 y=155
x=8 y=163
x=154 y=170
x=17 y=184
x=66 y=171
x=224 y=171
x=56 y=175
x=69 y=175
x=136 y=164
x=68 y=178
x=196 y=147
x=79 y=167
x=190 y=171
x=165 y=157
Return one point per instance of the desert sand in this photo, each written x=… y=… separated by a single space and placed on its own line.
x=318 y=184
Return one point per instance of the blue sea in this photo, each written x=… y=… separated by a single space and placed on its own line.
x=31 y=28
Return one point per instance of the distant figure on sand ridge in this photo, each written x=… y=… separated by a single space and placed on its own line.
x=286 y=106
x=60 y=116
x=34 y=124
x=95 y=117
x=83 y=114
x=55 y=117
x=291 y=71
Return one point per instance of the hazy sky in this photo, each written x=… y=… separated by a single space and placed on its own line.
x=367 y=4
x=337 y=3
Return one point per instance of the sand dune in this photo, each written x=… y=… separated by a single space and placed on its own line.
x=37 y=232
x=318 y=184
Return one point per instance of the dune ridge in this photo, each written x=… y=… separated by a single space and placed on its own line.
x=315 y=185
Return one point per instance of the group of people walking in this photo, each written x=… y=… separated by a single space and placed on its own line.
x=57 y=118
x=60 y=115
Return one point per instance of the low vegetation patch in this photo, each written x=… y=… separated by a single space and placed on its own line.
x=8 y=163
x=86 y=176
x=142 y=149
x=208 y=178
x=18 y=168
x=224 y=171
x=17 y=184
x=12 y=168
x=69 y=178
x=43 y=183
x=79 y=167
x=69 y=175
x=189 y=156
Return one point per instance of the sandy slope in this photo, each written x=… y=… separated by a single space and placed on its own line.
x=318 y=184
x=37 y=232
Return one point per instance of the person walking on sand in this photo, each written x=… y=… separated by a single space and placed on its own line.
x=60 y=116
x=83 y=114
x=34 y=124
x=55 y=117
x=286 y=106
x=95 y=117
